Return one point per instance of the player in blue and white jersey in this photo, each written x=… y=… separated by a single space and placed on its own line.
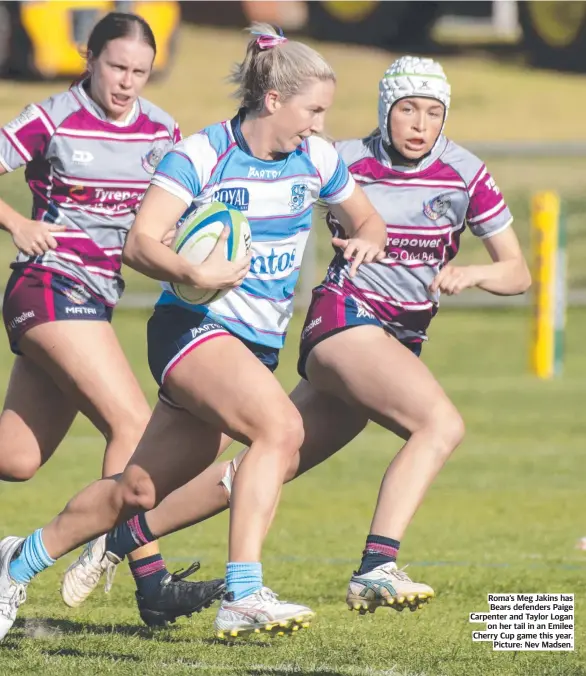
x=362 y=335
x=213 y=363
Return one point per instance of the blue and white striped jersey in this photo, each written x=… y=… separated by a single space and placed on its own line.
x=276 y=196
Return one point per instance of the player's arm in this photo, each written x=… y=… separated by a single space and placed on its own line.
x=9 y=217
x=508 y=274
x=488 y=218
x=365 y=228
x=350 y=206
x=21 y=141
x=145 y=251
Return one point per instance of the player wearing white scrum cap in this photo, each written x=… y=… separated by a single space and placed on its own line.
x=411 y=77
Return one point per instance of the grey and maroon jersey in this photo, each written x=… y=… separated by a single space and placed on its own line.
x=426 y=210
x=88 y=174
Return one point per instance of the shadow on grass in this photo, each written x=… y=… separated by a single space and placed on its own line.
x=40 y=628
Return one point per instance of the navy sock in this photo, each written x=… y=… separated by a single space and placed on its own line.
x=378 y=550
x=129 y=536
x=148 y=573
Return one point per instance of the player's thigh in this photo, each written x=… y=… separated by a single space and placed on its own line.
x=175 y=447
x=85 y=359
x=224 y=383
x=36 y=417
x=366 y=366
x=329 y=423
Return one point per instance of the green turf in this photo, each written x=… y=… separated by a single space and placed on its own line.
x=503 y=516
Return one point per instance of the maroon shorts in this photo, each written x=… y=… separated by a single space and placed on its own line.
x=36 y=296
x=331 y=312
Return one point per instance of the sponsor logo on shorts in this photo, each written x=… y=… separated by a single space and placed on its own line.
x=309 y=328
x=437 y=207
x=361 y=311
x=81 y=311
x=77 y=294
x=20 y=319
x=206 y=328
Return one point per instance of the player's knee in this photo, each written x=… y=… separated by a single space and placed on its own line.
x=18 y=467
x=127 y=427
x=136 y=490
x=447 y=426
x=284 y=431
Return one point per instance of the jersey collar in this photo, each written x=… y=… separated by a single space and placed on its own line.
x=97 y=110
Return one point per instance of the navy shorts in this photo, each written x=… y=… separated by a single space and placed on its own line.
x=36 y=296
x=173 y=332
x=331 y=312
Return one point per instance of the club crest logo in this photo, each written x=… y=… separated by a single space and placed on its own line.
x=152 y=159
x=297 y=202
x=77 y=294
x=437 y=207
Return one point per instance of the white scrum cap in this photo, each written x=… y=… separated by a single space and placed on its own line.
x=411 y=76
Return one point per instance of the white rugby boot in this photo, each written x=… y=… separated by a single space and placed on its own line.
x=258 y=613
x=386 y=585
x=84 y=574
x=12 y=594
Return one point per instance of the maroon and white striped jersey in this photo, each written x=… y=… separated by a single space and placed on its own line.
x=426 y=210
x=89 y=174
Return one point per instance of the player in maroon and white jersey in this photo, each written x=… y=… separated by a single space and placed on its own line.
x=89 y=154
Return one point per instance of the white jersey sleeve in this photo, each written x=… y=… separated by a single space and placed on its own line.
x=185 y=170
x=337 y=182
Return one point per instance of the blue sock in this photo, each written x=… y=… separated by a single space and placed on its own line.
x=148 y=573
x=129 y=536
x=242 y=579
x=32 y=559
x=378 y=550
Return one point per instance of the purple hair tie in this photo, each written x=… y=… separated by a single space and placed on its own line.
x=269 y=41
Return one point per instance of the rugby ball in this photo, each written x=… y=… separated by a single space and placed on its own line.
x=196 y=237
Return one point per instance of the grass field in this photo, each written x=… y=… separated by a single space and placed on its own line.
x=502 y=517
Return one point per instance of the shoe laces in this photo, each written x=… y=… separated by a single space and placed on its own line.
x=17 y=598
x=266 y=594
x=86 y=555
x=400 y=574
x=110 y=572
x=93 y=572
x=182 y=573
